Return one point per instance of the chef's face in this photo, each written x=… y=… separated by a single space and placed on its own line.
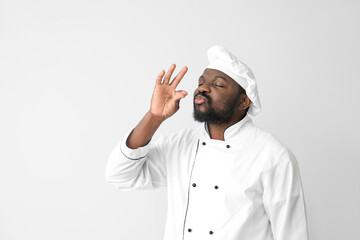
x=217 y=97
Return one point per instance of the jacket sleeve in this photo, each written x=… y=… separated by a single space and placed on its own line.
x=141 y=168
x=283 y=199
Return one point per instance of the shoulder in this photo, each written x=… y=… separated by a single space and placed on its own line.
x=178 y=139
x=270 y=146
x=178 y=143
x=265 y=138
x=182 y=136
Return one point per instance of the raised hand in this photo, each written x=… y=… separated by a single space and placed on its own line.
x=165 y=99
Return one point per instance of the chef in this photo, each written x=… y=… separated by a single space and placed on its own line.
x=228 y=179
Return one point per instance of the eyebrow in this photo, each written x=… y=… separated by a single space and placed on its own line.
x=215 y=77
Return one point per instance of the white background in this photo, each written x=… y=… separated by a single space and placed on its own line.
x=77 y=75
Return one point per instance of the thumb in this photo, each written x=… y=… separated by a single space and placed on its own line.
x=179 y=95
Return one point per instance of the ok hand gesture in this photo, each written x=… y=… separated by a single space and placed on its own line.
x=165 y=99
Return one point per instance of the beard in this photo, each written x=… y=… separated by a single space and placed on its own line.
x=212 y=116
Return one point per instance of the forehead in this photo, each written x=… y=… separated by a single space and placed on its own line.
x=212 y=73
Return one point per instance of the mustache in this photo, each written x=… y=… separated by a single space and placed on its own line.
x=204 y=95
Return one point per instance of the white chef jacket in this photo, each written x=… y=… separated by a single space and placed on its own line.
x=247 y=187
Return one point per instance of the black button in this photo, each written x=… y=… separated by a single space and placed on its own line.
x=204 y=143
x=211 y=232
x=227 y=146
x=189 y=230
x=194 y=184
x=216 y=187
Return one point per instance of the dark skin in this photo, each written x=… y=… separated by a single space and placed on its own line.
x=165 y=102
x=222 y=90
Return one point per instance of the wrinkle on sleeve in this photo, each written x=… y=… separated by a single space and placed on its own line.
x=283 y=199
x=141 y=168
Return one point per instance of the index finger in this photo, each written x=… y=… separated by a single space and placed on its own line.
x=178 y=77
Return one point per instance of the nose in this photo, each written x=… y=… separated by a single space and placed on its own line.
x=204 y=88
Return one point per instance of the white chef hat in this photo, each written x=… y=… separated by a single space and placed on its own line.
x=223 y=60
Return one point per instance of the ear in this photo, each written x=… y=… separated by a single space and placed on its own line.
x=244 y=102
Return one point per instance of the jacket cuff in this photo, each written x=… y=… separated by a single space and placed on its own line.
x=133 y=154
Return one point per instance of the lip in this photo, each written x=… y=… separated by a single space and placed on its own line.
x=199 y=99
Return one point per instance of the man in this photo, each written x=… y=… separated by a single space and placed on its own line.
x=227 y=180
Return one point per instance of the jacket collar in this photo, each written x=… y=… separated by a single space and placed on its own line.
x=232 y=131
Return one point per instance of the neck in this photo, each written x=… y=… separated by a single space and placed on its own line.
x=217 y=131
